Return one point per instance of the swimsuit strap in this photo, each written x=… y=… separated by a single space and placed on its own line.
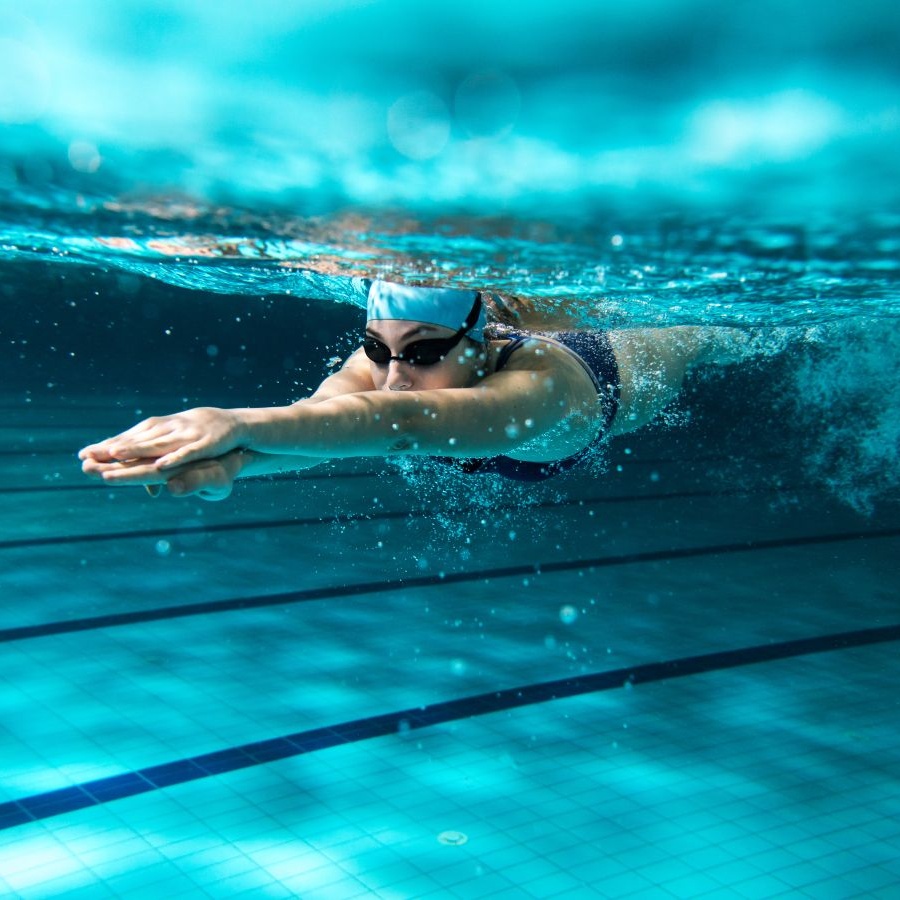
x=591 y=349
x=515 y=341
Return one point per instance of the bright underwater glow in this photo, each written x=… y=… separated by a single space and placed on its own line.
x=468 y=104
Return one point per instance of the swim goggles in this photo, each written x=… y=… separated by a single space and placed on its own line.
x=421 y=353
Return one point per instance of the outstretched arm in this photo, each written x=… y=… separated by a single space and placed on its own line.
x=503 y=412
x=463 y=422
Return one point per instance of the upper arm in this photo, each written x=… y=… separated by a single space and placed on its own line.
x=545 y=404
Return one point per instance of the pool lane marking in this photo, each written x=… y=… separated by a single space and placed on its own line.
x=25 y=632
x=350 y=518
x=219 y=762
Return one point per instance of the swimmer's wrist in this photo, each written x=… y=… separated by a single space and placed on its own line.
x=267 y=428
x=243 y=434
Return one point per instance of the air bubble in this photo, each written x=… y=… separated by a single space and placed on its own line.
x=419 y=125
x=84 y=157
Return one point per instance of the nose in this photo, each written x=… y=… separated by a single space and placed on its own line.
x=398 y=376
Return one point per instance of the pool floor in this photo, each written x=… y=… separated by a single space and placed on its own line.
x=677 y=680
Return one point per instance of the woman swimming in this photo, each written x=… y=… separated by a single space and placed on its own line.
x=427 y=380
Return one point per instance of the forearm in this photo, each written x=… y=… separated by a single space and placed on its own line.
x=252 y=462
x=350 y=425
x=452 y=422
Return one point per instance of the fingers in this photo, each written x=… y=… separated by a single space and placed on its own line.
x=133 y=471
x=99 y=451
x=94 y=468
x=155 y=444
x=128 y=444
x=189 y=453
x=152 y=437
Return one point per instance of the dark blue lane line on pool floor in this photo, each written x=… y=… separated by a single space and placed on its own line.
x=230 y=604
x=140 y=781
x=53 y=540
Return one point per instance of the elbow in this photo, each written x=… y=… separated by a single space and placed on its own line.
x=405 y=444
x=396 y=430
x=404 y=436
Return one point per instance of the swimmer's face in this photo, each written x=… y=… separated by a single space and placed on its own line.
x=459 y=368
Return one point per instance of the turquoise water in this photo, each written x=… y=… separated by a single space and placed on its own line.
x=672 y=675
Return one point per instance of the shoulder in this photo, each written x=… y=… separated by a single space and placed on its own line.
x=535 y=358
x=532 y=353
x=354 y=376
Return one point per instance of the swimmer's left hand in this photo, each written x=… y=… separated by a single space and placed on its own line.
x=209 y=479
x=128 y=471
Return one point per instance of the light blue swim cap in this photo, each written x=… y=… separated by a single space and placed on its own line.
x=436 y=306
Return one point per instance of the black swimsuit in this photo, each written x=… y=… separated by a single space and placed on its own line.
x=595 y=352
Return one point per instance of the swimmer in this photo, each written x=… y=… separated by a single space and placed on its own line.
x=429 y=380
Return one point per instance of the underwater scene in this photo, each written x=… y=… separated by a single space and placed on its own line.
x=670 y=670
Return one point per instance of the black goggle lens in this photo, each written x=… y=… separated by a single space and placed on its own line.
x=418 y=353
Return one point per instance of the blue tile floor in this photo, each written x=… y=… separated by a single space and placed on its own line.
x=673 y=789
